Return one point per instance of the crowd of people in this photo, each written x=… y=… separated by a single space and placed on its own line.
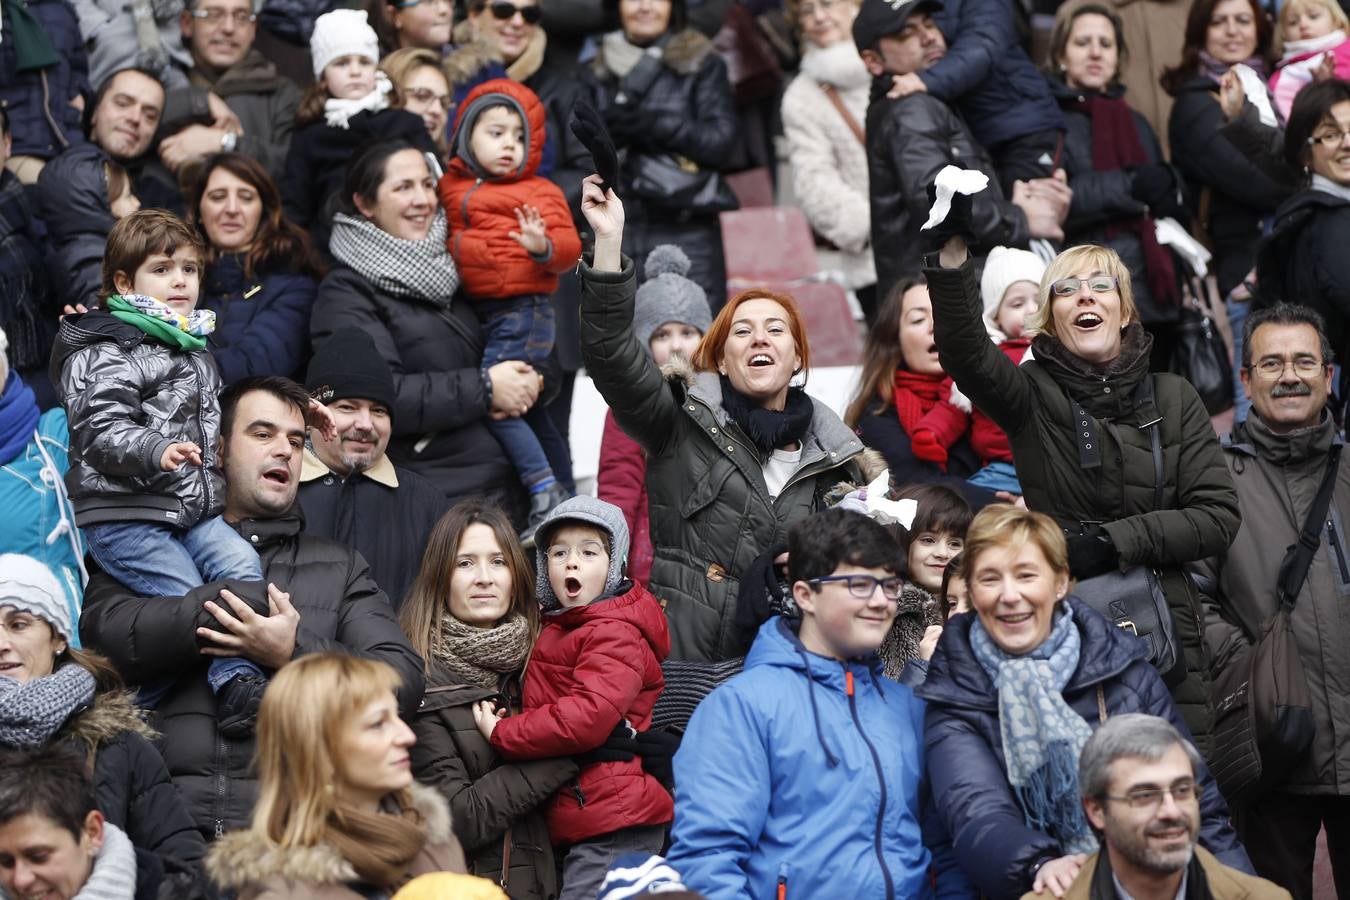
x=300 y=595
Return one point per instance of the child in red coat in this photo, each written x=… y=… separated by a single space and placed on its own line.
x=597 y=663
x=511 y=234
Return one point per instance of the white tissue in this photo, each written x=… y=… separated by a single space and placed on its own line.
x=951 y=181
x=1255 y=89
x=887 y=511
x=1170 y=233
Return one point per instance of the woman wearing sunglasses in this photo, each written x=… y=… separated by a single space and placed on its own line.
x=421 y=88
x=1078 y=420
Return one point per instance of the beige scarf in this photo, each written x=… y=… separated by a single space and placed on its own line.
x=480 y=656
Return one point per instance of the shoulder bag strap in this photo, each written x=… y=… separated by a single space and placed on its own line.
x=832 y=93
x=1143 y=397
x=1294 y=569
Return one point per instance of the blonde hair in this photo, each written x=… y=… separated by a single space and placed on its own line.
x=400 y=64
x=1005 y=525
x=1338 y=18
x=1085 y=256
x=300 y=804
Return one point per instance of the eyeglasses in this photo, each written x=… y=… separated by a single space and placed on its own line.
x=504 y=11
x=426 y=95
x=862 y=586
x=215 y=15
x=1151 y=798
x=808 y=10
x=1273 y=367
x=1329 y=139
x=409 y=4
x=1098 y=284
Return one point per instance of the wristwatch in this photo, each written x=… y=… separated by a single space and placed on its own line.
x=228 y=141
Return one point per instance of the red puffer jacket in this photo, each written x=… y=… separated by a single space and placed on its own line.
x=481 y=208
x=622 y=480
x=591 y=667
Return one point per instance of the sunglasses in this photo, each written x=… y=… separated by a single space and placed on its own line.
x=503 y=10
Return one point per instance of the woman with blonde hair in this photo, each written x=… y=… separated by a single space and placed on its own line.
x=422 y=89
x=338 y=813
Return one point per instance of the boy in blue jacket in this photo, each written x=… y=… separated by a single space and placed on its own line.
x=804 y=775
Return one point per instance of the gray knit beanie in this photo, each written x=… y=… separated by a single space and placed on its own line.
x=27 y=584
x=668 y=296
x=590 y=511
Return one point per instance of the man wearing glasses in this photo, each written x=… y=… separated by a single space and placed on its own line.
x=804 y=775
x=1137 y=775
x=235 y=100
x=1278 y=458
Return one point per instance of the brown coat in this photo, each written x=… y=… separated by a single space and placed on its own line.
x=1154 y=35
x=1224 y=883
x=254 y=868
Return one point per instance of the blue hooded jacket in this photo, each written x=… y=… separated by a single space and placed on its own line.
x=808 y=773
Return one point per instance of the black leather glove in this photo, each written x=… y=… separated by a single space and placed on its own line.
x=1091 y=555
x=1155 y=186
x=658 y=747
x=959 y=222
x=631 y=126
x=590 y=129
x=620 y=746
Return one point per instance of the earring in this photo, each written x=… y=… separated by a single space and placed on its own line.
x=1063 y=68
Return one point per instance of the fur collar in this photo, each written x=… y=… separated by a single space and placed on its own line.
x=472 y=54
x=244 y=858
x=113 y=713
x=683 y=54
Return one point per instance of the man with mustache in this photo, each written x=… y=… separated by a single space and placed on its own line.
x=350 y=490
x=1137 y=775
x=1278 y=458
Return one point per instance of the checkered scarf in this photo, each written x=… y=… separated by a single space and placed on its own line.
x=421 y=269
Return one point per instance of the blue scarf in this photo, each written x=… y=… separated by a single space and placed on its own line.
x=1042 y=735
x=18 y=418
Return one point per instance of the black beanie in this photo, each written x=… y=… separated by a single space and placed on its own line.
x=348 y=367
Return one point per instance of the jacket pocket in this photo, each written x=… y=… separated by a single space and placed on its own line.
x=1338 y=556
x=706 y=486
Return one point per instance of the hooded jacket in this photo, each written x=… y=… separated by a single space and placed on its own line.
x=72 y=199
x=1030 y=402
x=253 y=867
x=805 y=774
x=710 y=510
x=481 y=207
x=592 y=667
x=969 y=774
x=128 y=397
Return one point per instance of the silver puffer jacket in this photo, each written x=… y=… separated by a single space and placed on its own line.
x=128 y=397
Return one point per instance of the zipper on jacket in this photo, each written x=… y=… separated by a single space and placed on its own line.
x=881 y=779
x=781 y=893
x=203 y=471
x=220 y=785
x=1334 y=537
x=575 y=788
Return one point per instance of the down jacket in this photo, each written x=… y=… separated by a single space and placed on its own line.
x=909 y=141
x=72 y=199
x=1277 y=477
x=480 y=208
x=128 y=397
x=1030 y=402
x=41 y=120
x=805 y=773
x=488 y=797
x=155 y=639
x=993 y=843
x=262 y=323
x=592 y=667
x=710 y=509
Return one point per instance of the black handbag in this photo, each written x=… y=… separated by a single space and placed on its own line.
x=671 y=182
x=1201 y=357
x=1133 y=600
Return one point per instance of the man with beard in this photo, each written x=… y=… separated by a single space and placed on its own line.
x=320 y=598
x=350 y=490
x=1278 y=458
x=1137 y=777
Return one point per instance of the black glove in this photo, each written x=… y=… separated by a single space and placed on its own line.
x=587 y=125
x=632 y=127
x=1155 y=187
x=1091 y=555
x=620 y=746
x=760 y=596
x=959 y=222
x=658 y=747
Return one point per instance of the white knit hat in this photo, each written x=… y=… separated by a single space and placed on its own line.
x=342 y=32
x=1005 y=267
x=27 y=584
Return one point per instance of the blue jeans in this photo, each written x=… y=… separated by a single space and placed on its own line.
x=158 y=561
x=522 y=328
x=997 y=476
x=1237 y=318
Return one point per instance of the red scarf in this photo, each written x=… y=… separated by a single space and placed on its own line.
x=923 y=401
x=1116 y=145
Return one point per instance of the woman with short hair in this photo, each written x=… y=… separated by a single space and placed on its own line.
x=421 y=88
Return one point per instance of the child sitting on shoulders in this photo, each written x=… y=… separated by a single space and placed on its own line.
x=1308 y=31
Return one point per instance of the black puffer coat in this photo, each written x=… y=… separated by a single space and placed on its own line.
x=440 y=406
x=72 y=199
x=1241 y=195
x=488 y=796
x=154 y=638
x=908 y=142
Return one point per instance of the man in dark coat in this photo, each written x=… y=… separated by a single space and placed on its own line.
x=350 y=490
x=321 y=598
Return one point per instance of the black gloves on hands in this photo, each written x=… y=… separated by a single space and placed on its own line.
x=656 y=747
x=590 y=129
x=1155 y=186
x=620 y=746
x=958 y=223
x=1091 y=555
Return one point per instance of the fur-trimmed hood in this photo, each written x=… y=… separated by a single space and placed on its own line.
x=683 y=54
x=114 y=713
x=472 y=54
x=244 y=858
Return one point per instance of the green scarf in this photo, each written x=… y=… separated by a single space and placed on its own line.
x=160 y=330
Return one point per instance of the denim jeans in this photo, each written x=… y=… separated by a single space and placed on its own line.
x=522 y=328
x=1237 y=318
x=158 y=561
x=997 y=476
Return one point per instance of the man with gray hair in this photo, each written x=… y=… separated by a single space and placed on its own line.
x=1137 y=775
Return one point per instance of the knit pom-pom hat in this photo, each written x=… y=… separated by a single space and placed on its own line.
x=342 y=32
x=585 y=511
x=668 y=296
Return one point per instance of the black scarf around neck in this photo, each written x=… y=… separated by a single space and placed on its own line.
x=768 y=429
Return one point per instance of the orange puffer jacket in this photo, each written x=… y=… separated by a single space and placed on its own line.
x=481 y=208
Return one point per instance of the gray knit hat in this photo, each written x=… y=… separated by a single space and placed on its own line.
x=27 y=584
x=590 y=511
x=668 y=296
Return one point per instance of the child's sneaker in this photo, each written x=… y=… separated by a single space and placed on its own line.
x=541 y=504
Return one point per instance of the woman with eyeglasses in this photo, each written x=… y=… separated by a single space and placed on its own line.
x=422 y=89
x=1082 y=419
x=1306 y=259
x=1014 y=692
